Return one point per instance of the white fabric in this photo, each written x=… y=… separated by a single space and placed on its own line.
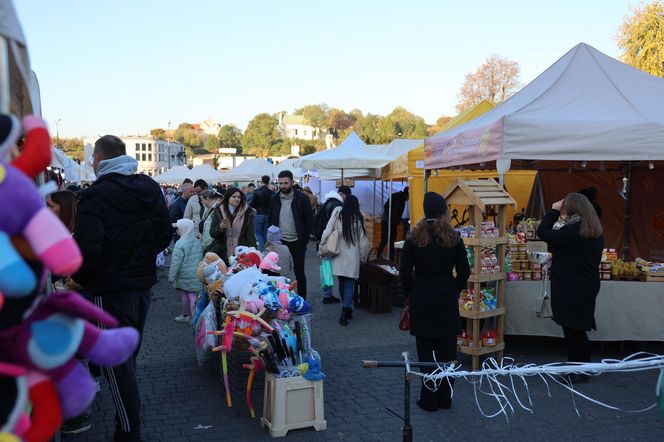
x=586 y=106
x=352 y=153
x=207 y=173
x=175 y=174
x=289 y=164
x=9 y=25
x=249 y=170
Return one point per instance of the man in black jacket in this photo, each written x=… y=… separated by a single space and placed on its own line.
x=261 y=202
x=398 y=205
x=122 y=223
x=290 y=210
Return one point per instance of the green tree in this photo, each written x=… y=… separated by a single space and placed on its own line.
x=212 y=143
x=367 y=127
x=641 y=37
x=401 y=124
x=72 y=147
x=158 y=133
x=316 y=115
x=438 y=126
x=495 y=81
x=261 y=134
x=340 y=120
x=230 y=137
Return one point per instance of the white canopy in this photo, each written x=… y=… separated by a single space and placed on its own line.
x=289 y=164
x=16 y=65
x=207 y=173
x=249 y=170
x=352 y=153
x=175 y=174
x=586 y=106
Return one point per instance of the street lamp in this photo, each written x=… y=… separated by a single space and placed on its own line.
x=168 y=143
x=57 y=132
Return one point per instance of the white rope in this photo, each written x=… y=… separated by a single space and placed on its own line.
x=485 y=381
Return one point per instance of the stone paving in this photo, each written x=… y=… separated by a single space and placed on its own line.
x=182 y=402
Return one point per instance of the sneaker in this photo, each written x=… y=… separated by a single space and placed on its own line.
x=182 y=318
x=76 y=425
x=331 y=300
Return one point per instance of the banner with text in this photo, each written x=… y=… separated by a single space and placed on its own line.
x=469 y=147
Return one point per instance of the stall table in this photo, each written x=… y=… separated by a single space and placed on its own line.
x=625 y=311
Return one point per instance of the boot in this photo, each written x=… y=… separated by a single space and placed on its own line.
x=343 y=320
x=349 y=312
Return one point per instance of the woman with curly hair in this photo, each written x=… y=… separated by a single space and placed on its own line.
x=430 y=255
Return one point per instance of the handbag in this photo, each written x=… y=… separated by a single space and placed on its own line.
x=404 y=319
x=330 y=248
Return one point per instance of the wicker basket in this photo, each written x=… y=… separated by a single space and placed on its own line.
x=370 y=272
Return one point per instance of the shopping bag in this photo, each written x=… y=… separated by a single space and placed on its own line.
x=326 y=277
x=161 y=260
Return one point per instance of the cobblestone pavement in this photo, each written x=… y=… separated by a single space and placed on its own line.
x=182 y=402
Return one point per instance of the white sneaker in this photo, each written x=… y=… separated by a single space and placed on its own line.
x=182 y=318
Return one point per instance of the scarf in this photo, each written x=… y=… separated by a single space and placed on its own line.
x=233 y=232
x=571 y=219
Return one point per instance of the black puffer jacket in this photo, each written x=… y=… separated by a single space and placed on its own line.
x=122 y=223
x=261 y=201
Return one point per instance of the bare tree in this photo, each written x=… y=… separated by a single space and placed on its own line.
x=495 y=81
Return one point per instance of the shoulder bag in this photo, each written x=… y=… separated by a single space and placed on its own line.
x=330 y=248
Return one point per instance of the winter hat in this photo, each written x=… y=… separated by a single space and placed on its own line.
x=185 y=227
x=270 y=262
x=274 y=235
x=434 y=205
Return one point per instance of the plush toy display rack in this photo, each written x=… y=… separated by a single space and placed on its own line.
x=479 y=196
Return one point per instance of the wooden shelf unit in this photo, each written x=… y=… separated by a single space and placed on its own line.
x=478 y=196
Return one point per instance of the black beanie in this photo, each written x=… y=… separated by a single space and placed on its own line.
x=434 y=205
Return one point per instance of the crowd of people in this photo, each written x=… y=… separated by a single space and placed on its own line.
x=124 y=220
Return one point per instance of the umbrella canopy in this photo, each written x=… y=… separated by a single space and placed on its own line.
x=586 y=106
x=352 y=153
x=249 y=170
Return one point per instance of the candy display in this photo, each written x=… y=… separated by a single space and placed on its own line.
x=487 y=299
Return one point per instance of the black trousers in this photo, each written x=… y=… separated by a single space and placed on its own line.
x=383 y=238
x=130 y=309
x=578 y=345
x=298 y=252
x=445 y=350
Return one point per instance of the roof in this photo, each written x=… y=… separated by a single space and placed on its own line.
x=296 y=119
x=478 y=192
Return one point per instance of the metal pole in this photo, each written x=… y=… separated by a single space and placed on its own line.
x=628 y=211
x=389 y=223
x=168 y=144
x=373 y=211
x=407 y=430
x=5 y=92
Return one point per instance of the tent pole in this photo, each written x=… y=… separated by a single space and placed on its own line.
x=628 y=211
x=389 y=222
x=427 y=172
x=373 y=211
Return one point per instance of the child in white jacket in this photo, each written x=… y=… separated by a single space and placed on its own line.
x=187 y=253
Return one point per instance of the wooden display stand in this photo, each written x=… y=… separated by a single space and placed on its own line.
x=478 y=195
x=292 y=403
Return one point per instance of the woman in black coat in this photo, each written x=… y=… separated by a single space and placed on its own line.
x=429 y=255
x=577 y=252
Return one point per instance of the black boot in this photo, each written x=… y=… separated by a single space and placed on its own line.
x=349 y=312
x=343 y=320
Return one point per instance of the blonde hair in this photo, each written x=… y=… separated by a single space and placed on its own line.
x=577 y=203
x=440 y=227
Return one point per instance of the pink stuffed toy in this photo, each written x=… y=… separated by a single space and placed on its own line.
x=270 y=262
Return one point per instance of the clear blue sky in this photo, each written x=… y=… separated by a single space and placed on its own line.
x=125 y=67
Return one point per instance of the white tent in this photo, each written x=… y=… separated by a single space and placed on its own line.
x=249 y=170
x=175 y=174
x=87 y=174
x=207 y=173
x=586 y=106
x=17 y=95
x=352 y=153
x=289 y=164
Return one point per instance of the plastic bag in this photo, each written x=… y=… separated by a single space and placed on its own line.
x=326 y=277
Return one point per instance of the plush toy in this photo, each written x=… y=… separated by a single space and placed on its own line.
x=29 y=217
x=270 y=262
x=54 y=332
x=21 y=390
x=251 y=299
x=234 y=285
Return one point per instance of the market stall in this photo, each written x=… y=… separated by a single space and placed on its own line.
x=249 y=171
x=175 y=174
x=587 y=121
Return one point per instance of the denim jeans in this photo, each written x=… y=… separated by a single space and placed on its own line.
x=260 y=227
x=347 y=290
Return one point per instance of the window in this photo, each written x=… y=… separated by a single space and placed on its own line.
x=295 y=131
x=304 y=132
x=150 y=147
x=138 y=157
x=138 y=146
x=149 y=157
x=142 y=157
x=143 y=147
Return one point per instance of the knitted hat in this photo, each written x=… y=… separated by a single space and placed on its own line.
x=274 y=235
x=434 y=205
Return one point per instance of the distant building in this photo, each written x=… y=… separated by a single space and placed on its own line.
x=151 y=153
x=296 y=126
x=209 y=127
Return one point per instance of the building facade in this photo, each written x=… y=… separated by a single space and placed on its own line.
x=296 y=126
x=154 y=156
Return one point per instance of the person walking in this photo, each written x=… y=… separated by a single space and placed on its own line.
x=575 y=281
x=430 y=256
x=353 y=249
x=211 y=200
x=332 y=201
x=187 y=254
x=390 y=221
x=290 y=210
x=232 y=224
x=261 y=203
x=122 y=223
x=285 y=259
x=194 y=209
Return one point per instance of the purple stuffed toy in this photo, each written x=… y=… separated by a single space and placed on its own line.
x=55 y=330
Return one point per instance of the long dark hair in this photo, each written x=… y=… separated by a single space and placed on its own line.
x=440 y=228
x=576 y=203
x=227 y=196
x=67 y=201
x=350 y=215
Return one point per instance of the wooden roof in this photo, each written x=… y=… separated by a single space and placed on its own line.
x=478 y=192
